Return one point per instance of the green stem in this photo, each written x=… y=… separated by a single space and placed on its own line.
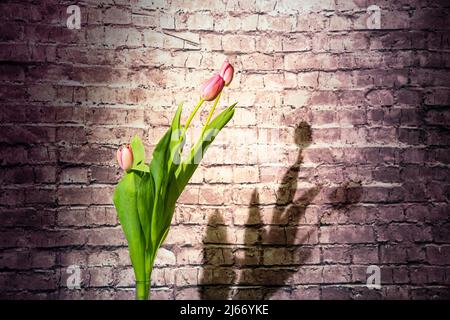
x=143 y=286
x=211 y=112
x=142 y=290
x=186 y=126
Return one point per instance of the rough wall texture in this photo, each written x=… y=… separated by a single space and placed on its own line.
x=337 y=158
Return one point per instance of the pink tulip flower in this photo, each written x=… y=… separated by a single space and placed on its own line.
x=125 y=157
x=211 y=88
x=226 y=72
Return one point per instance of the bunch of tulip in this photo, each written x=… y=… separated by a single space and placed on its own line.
x=145 y=197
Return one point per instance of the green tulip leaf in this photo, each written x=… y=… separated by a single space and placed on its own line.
x=125 y=201
x=176 y=141
x=159 y=163
x=145 y=201
x=187 y=168
x=138 y=154
x=158 y=170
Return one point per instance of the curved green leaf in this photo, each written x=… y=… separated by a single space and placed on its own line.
x=158 y=169
x=176 y=141
x=187 y=168
x=145 y=197
x=125 y=201
x=138 y=152
x=159 y=164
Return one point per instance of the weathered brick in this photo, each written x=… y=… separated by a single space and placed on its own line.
x=200 y=21
x=347 y=234
x=117 y=16
x=438 y=255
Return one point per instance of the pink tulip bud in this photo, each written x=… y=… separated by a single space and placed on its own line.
x=125 y=157
x=211 y=88
x=226 y=72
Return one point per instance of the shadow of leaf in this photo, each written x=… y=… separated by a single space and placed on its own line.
x=278 y=242
x=345 y=195
x=217 y=258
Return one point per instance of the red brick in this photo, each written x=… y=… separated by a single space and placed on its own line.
x=117 y=16
x=200 y=21
x=439 y=255
x=335 y=274
x=276 y=23
x=347 y=234
x=238 y=43
x=258 y=61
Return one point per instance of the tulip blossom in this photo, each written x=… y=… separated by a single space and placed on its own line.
x=125 y=157
x=226 y=72
x=211 y=88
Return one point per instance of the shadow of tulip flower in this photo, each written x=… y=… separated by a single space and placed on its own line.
x=280 y=236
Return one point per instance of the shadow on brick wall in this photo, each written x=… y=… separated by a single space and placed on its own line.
x=346 y=196
x=273 y=239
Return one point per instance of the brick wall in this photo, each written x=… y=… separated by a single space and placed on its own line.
x=337 y=157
